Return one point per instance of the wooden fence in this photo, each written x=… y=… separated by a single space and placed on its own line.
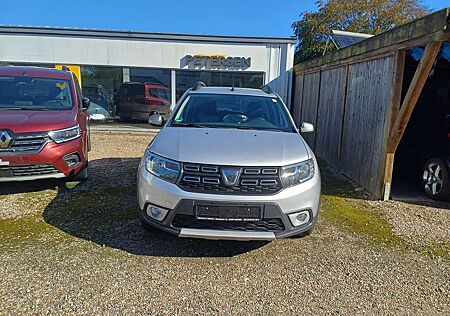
x=349 y=107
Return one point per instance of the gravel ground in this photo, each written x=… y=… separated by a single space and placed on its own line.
x=420 y=224
x=79 y=249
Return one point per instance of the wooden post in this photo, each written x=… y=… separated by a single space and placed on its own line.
x=414 y=90
x=400 y=116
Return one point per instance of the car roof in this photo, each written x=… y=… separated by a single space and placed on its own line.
x=233 y=91
x=35 y=72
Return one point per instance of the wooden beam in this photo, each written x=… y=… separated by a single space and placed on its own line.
x=388 y=171
x=349 y=61
x=420 y=77
x=443 y=35
x=415 y=33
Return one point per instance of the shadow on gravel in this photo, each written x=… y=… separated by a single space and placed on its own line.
x=29 y=187
x=104 y=210
x=336 y=184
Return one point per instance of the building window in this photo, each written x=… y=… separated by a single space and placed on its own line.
x=154 y=78
x=151 y=76
x=187 y=78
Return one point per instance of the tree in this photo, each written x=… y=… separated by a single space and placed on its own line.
x=362 y=16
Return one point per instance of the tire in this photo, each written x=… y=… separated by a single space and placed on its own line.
x=435 y=179
x=83 y=175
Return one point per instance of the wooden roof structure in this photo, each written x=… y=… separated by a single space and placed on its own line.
x=354 y=97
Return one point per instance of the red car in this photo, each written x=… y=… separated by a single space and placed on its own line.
x=137 y=101
x=43 y=125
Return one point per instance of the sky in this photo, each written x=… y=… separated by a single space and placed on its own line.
x=229 y=17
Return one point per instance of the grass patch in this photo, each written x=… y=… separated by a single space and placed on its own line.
x=72 y=184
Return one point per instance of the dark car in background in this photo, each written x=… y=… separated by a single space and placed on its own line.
x=137 y=101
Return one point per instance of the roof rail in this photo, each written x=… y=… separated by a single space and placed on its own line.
x=198 y=85
x=267 y=89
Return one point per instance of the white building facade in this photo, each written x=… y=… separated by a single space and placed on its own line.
x=177 y=61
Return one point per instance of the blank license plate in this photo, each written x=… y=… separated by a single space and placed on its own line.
x=228 y=212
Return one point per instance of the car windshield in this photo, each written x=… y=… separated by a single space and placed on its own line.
x=28 y=93
x=233 y=111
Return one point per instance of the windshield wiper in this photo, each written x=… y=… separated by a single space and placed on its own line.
x=259 y=128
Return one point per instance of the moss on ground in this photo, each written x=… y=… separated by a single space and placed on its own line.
x=344 y=206
x=353 y=217
x=72 y=184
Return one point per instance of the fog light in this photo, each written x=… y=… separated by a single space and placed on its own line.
x=72 y=160
x=156 y=212
x=300 y=218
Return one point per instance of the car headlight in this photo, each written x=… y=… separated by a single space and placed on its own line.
x=64 y=135
x=298 y=173
x=163 y=168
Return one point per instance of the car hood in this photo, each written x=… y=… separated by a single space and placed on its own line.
x=21 y=121
x=235 y=147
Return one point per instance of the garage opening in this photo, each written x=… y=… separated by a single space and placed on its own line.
x=421 y=165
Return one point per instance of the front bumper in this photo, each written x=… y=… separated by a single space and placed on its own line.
x=154 y=191
x=51 y=156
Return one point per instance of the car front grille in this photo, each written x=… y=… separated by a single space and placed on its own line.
x=208 y=178
x=263 y=225
x=26 y=143
x=27 y=170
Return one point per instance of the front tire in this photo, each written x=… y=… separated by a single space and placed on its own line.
x=83 y=175
x=435 y=179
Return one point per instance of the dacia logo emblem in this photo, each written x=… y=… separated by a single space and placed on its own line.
x=5 y=139
x=230 y=176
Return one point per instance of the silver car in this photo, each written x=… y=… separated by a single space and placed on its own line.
x=229 y=164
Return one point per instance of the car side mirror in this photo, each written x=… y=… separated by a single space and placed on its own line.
x=85 y=102
x=155 y=120
x=306 y=128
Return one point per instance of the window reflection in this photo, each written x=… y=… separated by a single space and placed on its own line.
x=186 y=79
x=101 y=85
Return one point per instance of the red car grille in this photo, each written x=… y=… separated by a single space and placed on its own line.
x=27 y=170
x=29 y=143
